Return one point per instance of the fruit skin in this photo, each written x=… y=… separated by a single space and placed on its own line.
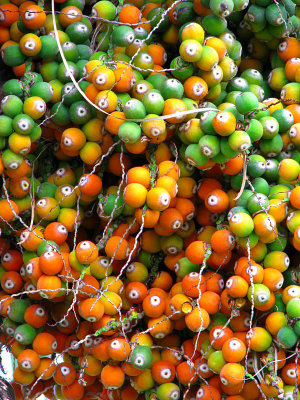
x=260 y=294
x=287 y=337
x=141 y=357
x=259 y=339
x=13 y=56
x=293 y=308
x=168 y=391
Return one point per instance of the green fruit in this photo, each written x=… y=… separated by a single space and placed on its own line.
x=209 y=145
x=122 y=35
x=140 y=32
x=43 y=90
x=123 y=98
x=190 y=50
x=141 y=357
x=291 y=393
x=279 y=192
x=70 y=94
x=257 y=202
x=243 y=199
x=103 y=40
x=271 y=172
x=235 y=52
x=172 y=89
x=252 y=76
x=276 y=14
x=60 y=114
x=46 y=189
x=80 y=65
x=156 y=80
x=159 y=19
x=217 y=318
x=6 y=125
x=260 y=294
x=251 y=240
x=214 y=25
x=216 y=361
x=134 y=109
x=256 y=14
x=153 y=102
x=262 y=111
x=220 y=158
x=206 y=348
x=70 y=52
x=206 y=122
x=104 y=9
x=236 y=182
x=239 y=141
x=256 y=166
x=81 y=112
x=221 y=8
x=16 y=310
x=279 y=304
x=13 y=56
x=238 y=84
x=78 y=32
x=11 y=160
x=168 y=391
x=25 y=334
x=171 y=244
x=226 y=149
x=9 y=327
x=84 y=52
x=293 y=308
x=181 y=69
x=254 y=129
x=271 y=147
x=270 y=127
x=284 y=118
x=286 y=337
x=246 y=103
x=144 y=62
x=257 y=91
x=46 y=246
x=49 y=47
x=184 y=266
x=129 y=132
x=13 y=86
x=11 y=106
x=297 y=328
x=77 y=3
x=261 y=185
x=194 y=157
x=23 y=124
x=184 y=12
x=63 y=73
x=49 y=70
x=241 y=224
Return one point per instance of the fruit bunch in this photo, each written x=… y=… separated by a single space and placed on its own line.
x=150 y=201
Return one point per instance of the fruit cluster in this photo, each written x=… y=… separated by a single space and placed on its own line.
x=150 y=203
